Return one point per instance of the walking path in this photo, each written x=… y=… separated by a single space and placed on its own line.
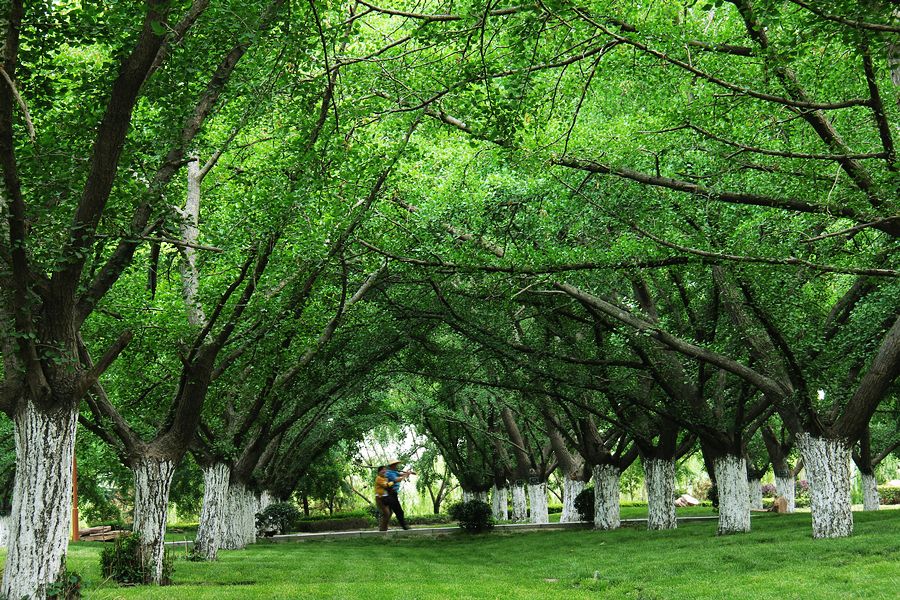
x=434 y=531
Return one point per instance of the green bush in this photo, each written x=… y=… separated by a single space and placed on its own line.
x=67 y=588
x=474 y=516
x=429 y=520
x=889 y=494
x=347 y=524
x=277 y=518
x=124 y=562
x=347 y=514
x=584 y=504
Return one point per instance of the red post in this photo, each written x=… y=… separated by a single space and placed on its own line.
x=75 y=533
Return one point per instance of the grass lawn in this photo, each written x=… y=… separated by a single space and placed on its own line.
x=778 y=559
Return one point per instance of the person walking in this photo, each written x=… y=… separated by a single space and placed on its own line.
x=395 y=478
x=382 y=485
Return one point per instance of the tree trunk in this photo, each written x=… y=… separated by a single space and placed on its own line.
x=659 y=475
x=827 y=463
x=756 y=494
x=571 y=488
x=467 y=496
x=871 y=501
x=240 y=525
x=4 y=531
x=152 y=480
x=212 y=514
x=537 y=497
x=265 y=500
x=734 y=505
x=786 y=487
x=519 y=504
x=606 y=497
x=499 y=504
x=42 y=498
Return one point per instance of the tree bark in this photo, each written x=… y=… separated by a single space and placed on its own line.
x=606 y=497
x=827 y=463
x=786 y=487
x=240 y=528
x=152 y=481
x=871 y=501
x=659 y=474
x=499 y=504
x=756 y=495
x=212 y=514
x=571 y=488
x=42 y=495
x=537 y=498
x=519 y=503
x=734 y=504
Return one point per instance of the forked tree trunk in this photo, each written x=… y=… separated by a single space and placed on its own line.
x=42 y=498
x=734 y=505
x=827 y=463
x=537 y=497
x=240 y=524
x=606 y=497
x=786 y=487
x=659 y=475
x=519 y=503
x=498 y=504
x=213 y=511
x=152 y=481
x=869 y=483
x=756 y=494
x=571 y=488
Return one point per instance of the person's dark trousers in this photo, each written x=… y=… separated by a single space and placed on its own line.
x=393 y=503
x=385 y=517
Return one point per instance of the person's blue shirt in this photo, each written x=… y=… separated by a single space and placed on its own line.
x=394 y=476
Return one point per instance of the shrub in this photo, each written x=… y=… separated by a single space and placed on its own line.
x=335 y=524
x=889 y=494
x=474 y=516
x=584 y=504
x=124 y=562
x=67 y=588
x=429 y=520
x=554 y=509
x=277 y=518
x=769 y=490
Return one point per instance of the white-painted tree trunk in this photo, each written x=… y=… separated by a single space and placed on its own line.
x=606 y=497
x=190 y=275
x=871 y=501
x=4 y=531
x=571 y=488
x=42 y=498
x=265 y=500
x=499 y=504
x=734 y=505
x=827 y=464
x=469 y=496
x=213 y=511
x=152 y=481
x=659 y=475
x=537 y=498
x=519 y=504
x=756 y=494
x=786 y=487
x=240 y=525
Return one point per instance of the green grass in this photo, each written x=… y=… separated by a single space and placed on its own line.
x=779 y=559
